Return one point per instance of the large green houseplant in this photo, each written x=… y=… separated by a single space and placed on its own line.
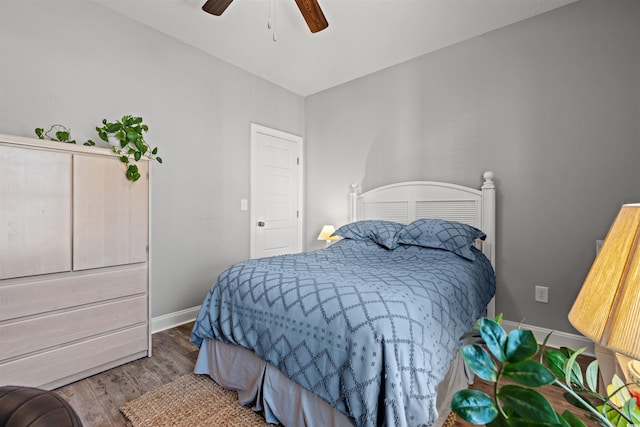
x=126 y=137
x=497 y=355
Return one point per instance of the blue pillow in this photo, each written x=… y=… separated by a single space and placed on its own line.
x=384 y=233
x=441 y=234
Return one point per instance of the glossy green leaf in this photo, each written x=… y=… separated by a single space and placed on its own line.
x=527 y=404
x=521 y=345
x=627 y=408
x=572 y=419
x=102 y=134
x=528 y=372
x=112 y=127
x=62 y=135
x=132 y=173
x=566 y=351
x=474 y=406
x=154 y=151
x=573 y=373
x=480 y=362
x=555 y=361
x=591 y=375
x=498 y=421
x=159 y=159
x=615 y=418
x=132 y=136
x=494 y=337
x=543 y=347
x=498 y=319
x=635 y=415
x=40 y=133
x=575 y=402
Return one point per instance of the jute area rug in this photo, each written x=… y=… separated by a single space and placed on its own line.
x=195 y=401
x=190 y=401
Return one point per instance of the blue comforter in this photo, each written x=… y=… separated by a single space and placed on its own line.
x=371 y=331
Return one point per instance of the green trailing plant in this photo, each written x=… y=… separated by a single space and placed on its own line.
x=59 y=133
x=497 y=355
x=128 y=134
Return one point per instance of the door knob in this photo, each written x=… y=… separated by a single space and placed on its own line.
x=260 y=223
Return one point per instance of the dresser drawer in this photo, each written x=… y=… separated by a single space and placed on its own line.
x=40 y=333
x=43 y=295
x=63 y=365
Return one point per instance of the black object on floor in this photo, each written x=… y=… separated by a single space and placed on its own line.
x=33 y=407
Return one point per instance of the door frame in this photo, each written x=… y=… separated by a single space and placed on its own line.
x=299 y=141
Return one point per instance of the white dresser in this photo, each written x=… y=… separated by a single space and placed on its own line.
x=74 y=288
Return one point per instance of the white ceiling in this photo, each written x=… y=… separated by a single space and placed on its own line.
x=363 y=35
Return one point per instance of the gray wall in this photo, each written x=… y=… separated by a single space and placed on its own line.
x=75 y=63
x=551 y=105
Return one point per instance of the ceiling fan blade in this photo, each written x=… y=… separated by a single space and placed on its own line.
x=312 y=13
x=216 y=7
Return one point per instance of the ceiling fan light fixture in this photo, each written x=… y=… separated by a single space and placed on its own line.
x=310 y=10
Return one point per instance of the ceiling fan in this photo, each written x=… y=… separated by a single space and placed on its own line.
x=310 y=10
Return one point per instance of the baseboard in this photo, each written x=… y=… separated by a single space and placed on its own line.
x=558 y=339
x=171 y=320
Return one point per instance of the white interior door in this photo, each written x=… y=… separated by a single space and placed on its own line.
x=276 y=192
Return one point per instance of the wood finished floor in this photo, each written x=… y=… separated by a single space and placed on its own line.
x=96 y=399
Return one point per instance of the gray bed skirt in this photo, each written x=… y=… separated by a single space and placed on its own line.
x=263 y=387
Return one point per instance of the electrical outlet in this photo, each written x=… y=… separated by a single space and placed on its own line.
x=542 y=294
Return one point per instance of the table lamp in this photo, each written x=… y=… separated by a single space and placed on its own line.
x=607 y=308
x=326 y=234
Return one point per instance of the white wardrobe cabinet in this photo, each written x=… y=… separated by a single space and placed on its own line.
x=35 y=213
x=74 y=287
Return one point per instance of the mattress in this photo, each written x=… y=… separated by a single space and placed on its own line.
x=369 y=331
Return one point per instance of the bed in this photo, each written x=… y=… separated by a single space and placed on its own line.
x=366 y=331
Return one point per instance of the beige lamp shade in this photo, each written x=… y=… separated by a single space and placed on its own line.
x=607 y=309
x=326 y=233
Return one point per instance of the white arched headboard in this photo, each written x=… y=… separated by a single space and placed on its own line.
x=406 y=201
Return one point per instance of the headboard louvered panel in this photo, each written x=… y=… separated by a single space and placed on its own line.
x=405 y=202
x=390 y=211
x=465 y=211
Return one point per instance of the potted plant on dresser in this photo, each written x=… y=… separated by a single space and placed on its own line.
x=126 y=138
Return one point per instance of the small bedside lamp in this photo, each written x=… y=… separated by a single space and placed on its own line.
x=607 y=309
x=326 y=234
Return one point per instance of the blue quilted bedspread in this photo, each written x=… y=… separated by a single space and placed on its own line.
x=371 y=331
